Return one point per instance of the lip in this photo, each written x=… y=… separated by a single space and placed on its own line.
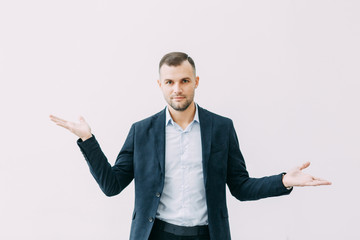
x=178 y=98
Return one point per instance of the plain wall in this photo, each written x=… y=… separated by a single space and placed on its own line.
x=286 y=72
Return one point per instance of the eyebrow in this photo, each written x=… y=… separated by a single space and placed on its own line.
x=185 y=78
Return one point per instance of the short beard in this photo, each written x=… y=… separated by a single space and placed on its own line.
x=181 y=108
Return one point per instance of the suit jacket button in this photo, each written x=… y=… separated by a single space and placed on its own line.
x=151 y=219
x=157 y=194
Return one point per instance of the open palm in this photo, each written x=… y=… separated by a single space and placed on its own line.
x=80 y=129
x=296 y=177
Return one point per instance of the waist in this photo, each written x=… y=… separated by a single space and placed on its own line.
x=180 y=230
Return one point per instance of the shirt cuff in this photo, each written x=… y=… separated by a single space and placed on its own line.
x=288 y=188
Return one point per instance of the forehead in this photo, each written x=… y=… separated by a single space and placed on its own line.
x=184 y=70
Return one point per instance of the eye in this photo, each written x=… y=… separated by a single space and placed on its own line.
x=168 y=82
x=185 y=81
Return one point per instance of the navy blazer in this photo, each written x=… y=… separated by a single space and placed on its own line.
x=142 y=158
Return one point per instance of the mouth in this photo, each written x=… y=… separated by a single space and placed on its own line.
x=178 y=98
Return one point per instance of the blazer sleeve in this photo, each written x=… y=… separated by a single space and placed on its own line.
x=111 y=179
x=241 y=185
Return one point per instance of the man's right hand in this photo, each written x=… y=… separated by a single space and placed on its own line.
x=81 y=129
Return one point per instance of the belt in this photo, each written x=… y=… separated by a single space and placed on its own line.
x=181 y=230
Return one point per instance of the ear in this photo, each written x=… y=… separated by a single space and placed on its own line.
x=197 y=81
x=159 y=83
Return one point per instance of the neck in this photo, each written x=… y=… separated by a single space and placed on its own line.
x=183 y=118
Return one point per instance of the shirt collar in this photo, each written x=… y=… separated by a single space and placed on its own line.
x=169 y=119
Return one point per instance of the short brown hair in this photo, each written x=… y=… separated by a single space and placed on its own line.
x=176 y=59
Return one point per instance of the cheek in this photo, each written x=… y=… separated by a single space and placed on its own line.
x=190 y=90
x=166 y=92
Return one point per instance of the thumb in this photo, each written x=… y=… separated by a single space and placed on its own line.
x=81 y=119
x=305 y=165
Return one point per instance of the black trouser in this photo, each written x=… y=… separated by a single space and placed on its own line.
x=166 y=231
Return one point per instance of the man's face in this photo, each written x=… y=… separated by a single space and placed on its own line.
x=178 y=85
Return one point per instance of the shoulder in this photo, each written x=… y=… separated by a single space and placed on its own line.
x=216 y=118
x=147 y=122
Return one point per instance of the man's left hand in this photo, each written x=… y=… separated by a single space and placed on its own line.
x=296 y=177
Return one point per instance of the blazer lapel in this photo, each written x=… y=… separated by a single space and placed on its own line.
x=158 y=130
x=206 y=129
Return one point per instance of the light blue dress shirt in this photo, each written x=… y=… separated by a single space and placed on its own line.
x=183 y=199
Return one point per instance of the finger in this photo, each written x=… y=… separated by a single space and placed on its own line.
x=305 y=165
x=82 y=119
x=57 y=119
x=53 y=118
x=318 y=183
x=60 y=122
x=322 y=181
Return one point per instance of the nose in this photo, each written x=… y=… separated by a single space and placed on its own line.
x=177 y=88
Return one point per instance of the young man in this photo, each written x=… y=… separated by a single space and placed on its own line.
x=181 y=160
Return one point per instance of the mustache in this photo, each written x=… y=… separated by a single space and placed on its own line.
x=177 y=96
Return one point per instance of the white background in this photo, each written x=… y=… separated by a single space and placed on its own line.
x=286 y=72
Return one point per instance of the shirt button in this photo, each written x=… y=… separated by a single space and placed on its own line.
x=151 y=219
x=157 y=194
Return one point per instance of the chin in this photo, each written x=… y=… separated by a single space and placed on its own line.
x=180 y=107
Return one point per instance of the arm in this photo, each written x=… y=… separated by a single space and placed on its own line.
x=245 y=188
x=241 y=185
x=112 y=180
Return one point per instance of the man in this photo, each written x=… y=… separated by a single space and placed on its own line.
x=181 y=160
